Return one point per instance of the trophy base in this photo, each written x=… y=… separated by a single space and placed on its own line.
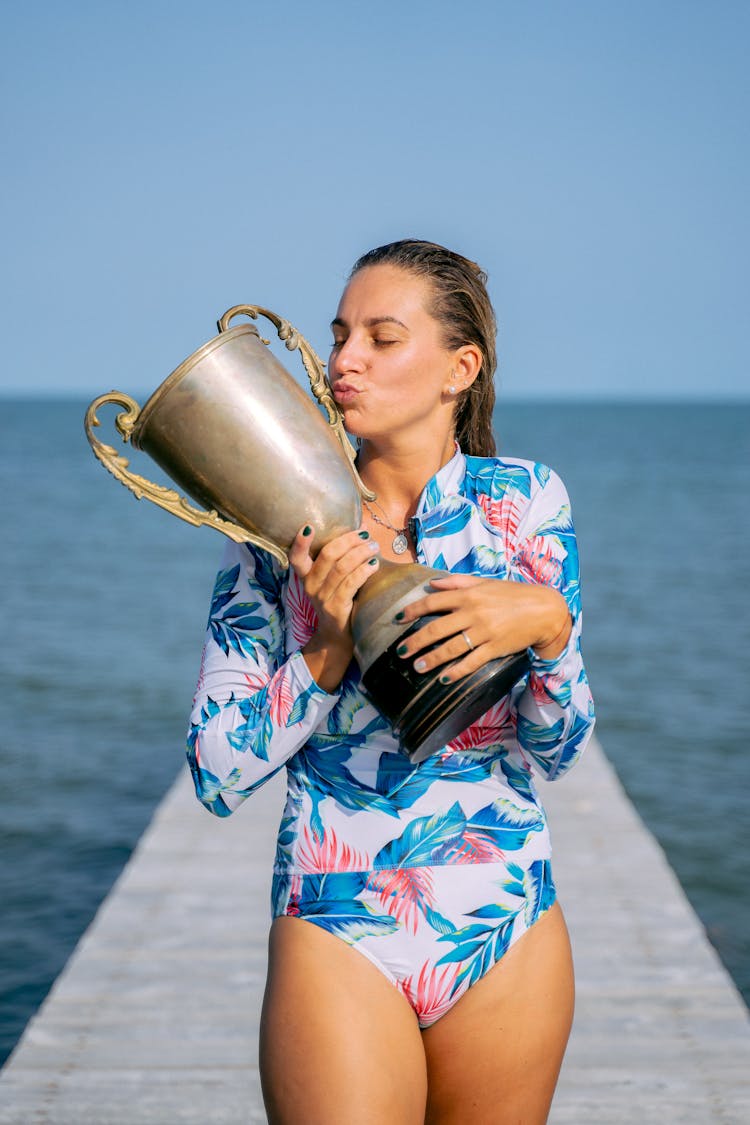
x=427 y=714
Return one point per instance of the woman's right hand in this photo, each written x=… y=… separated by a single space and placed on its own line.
x=331 y=581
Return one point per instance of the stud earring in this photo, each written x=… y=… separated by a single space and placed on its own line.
x=451 y=390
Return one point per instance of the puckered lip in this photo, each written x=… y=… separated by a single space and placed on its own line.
x=343 y=388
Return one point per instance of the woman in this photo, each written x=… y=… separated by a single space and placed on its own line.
x=435 y=981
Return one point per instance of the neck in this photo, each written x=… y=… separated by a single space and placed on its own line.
x=398 y=475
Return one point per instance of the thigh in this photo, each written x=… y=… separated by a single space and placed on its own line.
x=339 y=1044
x=494 y=1058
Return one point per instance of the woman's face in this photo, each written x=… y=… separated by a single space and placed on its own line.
x=389 y=370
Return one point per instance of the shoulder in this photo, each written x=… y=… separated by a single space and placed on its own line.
x=499 y=477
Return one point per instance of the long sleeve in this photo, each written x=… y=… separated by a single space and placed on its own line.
x=555 y=711
x=254 y=706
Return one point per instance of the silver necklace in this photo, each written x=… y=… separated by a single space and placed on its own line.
x=400 y=542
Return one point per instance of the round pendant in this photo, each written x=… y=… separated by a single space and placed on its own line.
x=400 y=544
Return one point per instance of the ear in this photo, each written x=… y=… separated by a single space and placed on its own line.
x=467 y=363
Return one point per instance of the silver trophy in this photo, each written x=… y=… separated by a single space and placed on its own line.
x=232 y=428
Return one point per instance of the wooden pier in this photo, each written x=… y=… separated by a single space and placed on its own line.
x=155 y=1017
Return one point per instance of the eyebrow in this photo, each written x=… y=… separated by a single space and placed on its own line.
x=372 y=322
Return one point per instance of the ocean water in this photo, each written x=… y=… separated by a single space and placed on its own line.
x=103 y=602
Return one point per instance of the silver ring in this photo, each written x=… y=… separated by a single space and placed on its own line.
x=467 y=638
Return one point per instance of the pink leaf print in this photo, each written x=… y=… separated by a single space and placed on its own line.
x=431 y=996
x=538 y=688
x=475 y=847
x=304 y=620
x=317 y=857
x=255 y=680
x=504 y=514
x=295 y=893
x=281 y=698
x=403 y=891
x=537 y=561
x=489 y=729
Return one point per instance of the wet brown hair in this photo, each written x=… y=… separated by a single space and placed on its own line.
x=461 y=305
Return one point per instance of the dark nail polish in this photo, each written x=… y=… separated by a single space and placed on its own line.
x=372 y=562
x=445 y=679
x=401 y=650
x=364 y=534
x=307 y=530
x=400 y=615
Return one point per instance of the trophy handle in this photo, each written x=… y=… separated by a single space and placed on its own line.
x=158 y=494
x=315 y=369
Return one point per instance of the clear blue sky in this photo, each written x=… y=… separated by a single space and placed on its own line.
x=164 y=160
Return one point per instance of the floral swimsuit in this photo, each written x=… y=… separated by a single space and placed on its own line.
x=431 y=871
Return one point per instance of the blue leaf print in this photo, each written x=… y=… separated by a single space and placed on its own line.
x=323 y=774
x=266 y=576
x=579 y=729
x=559 y=691
x=494 y=477
x=285 y=842
x=224 y=589
x=209 y=788
x=539 y=889
x=405 y=785
x=331 y=901
x=280 y=888
x=238 y=628
x=480 y=947
x=423 y=840
x=495 y=911
x=336 y=886
x=448 y=518
x=542 y=473
x=560 y=525
x=504 y=824
x=208 y=710
x=514 y=884
x=542 y=739
x=350 y=701
x=471 y=937
x=440 y=562
x=299 y=710
x=256 y=732
x=351 y=920
x=394 y=770
x=322 y=741
x=505 y=477
x=482 y=561
x=518 y=779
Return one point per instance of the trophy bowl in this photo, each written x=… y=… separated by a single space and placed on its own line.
x=233 y=429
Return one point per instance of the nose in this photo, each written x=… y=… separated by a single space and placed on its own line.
x=348 y=356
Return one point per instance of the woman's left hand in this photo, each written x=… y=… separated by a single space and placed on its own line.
x=484 y=618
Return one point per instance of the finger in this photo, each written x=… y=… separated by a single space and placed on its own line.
x=454 y=648
x=299 y=552
x=342 y=544
x=446 y=601
x=462 y=668
x=342 y=595
x=329 y=573
x=441 y=628
x=455 y=581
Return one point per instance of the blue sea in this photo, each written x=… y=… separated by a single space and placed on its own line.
x=103 y=602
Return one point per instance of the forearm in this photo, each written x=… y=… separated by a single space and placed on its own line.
x=327 y=661
x=239 y=739
x=555 y=713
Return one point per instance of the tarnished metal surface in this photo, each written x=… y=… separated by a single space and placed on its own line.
x=235 y=431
